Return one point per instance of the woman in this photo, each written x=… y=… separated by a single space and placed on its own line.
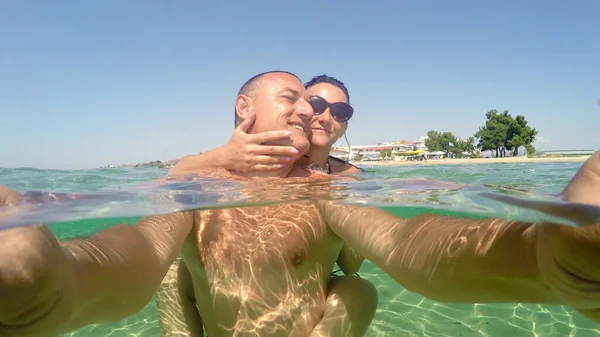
x=330 y=101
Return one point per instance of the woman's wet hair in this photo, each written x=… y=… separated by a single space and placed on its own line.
x=328 y=79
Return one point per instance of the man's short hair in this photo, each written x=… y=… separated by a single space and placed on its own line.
x=328 y=79
x=251 y=86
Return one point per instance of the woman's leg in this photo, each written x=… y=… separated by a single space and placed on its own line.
x=349 y=309
x=177 y=311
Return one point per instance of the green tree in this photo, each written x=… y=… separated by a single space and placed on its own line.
x=493 y=135
x=502 y=131
x=447 y=142
x=386 y=154
x=439 y=141
x=521 y=134
x=467 y=145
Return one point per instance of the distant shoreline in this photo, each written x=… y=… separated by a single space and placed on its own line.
x=470 y=161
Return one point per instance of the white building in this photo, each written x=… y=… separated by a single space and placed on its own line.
x=373 y=152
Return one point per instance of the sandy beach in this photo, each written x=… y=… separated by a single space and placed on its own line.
x=470 y=161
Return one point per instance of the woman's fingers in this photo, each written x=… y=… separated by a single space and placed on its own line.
x=273 y=150
x=269 y=136
x=272 y=159
x=246 y=124
x=265 y=168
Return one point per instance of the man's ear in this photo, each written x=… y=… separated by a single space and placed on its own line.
x=243 y=107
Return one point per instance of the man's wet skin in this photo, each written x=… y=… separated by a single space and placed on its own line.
x=584 y=188
x=261 y=270
x=264 y=271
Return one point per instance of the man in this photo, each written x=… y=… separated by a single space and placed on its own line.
x=249 y=152
x=264 y=270
x=176 y=301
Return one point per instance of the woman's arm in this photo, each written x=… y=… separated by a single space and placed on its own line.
x=178 y=314
x=244 y=152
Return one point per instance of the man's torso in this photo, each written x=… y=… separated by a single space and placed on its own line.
x=261 y=270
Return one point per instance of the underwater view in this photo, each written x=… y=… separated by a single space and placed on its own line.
x=79 y=203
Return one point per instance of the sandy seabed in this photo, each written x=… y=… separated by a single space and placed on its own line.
x=469 y=161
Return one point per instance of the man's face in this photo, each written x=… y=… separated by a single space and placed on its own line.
x=281 y=104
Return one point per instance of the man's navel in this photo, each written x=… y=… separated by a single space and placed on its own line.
x=298 y=258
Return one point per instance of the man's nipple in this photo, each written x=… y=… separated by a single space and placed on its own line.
x=297 y=258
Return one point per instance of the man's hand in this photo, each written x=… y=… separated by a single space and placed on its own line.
x=36 y=278
x=36 y=283
x=8 y=197
x=585 y=186
x=569 y=258
x=569 y=262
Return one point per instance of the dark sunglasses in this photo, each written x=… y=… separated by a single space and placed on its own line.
x=340 y=111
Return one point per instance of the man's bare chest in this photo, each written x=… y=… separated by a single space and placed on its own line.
x=254 y=237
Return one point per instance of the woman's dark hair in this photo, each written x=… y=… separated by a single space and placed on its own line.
x=328 y=79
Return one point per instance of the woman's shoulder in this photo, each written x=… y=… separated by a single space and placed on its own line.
x=339 y=166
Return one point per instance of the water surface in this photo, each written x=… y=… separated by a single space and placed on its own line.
x=83 y=202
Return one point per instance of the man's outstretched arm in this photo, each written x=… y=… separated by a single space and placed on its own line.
x=469 y=261
x=446 y=259
x=49 y=288
x=583 y=188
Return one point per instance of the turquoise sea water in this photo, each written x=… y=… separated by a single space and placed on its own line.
x=90 y=200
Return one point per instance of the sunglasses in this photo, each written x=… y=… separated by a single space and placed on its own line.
x=340 y=111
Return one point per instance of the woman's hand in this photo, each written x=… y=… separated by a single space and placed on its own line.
x=249 y=152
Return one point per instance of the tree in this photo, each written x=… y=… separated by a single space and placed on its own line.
x=447 y=142
x=502 y=133
x=521 y=134
x=439 y=141
x=492 y=136
x=386 y=154
x=468 y=145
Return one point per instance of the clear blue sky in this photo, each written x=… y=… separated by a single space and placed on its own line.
x=84 y=84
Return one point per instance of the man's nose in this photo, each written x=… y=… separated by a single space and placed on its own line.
x=305 y=110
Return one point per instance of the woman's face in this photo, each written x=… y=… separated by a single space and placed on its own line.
x=325 y=129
